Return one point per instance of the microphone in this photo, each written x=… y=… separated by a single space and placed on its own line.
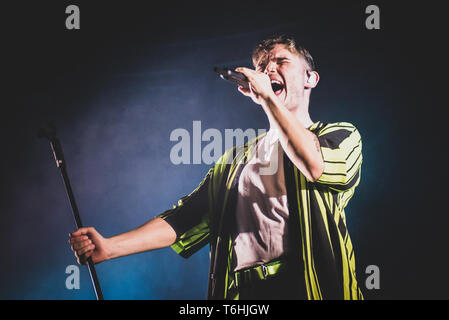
x=234 y=76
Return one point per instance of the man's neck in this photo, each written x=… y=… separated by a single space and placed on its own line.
x=302 y=114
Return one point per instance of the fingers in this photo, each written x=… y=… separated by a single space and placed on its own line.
x=73 y=239
x=82 y=231
x=83 y=234
x=84 y=253
x=83 y=259
x=259 y=84
x=247 y=72
x=246 y=92
x=83 y=250
x=81 y=244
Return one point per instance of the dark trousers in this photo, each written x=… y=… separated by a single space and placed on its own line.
x=282 y=286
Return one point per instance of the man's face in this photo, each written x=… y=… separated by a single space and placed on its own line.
x=287 y=72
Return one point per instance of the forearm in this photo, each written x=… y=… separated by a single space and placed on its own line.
x=300 y=145
x=154 y=234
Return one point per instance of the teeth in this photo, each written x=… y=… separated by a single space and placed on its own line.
x=276 y=85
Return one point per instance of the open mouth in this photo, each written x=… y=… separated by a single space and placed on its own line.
x=277 y=87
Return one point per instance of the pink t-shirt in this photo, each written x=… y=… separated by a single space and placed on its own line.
x=262 y=209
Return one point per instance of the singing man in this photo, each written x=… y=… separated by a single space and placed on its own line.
x=281 y=235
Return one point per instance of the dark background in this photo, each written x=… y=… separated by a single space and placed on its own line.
x=136 y=71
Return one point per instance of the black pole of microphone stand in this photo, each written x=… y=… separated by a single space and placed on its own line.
x=60 y=163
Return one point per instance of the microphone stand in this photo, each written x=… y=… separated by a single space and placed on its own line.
x=50 y=134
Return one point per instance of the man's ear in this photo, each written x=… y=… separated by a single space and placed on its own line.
x=312 y=79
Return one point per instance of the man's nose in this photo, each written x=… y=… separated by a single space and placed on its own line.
x=270 y=68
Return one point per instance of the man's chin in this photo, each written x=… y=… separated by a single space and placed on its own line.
x=282 y=96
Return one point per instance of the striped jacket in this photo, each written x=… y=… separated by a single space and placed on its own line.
x=316 y=212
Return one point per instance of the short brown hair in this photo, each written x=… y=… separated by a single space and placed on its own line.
x=266 y=45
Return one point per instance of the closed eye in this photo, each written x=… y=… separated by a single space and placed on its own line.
x=281 y=61
x=260 y=68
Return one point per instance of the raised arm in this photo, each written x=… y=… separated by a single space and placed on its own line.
x=300 y=145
